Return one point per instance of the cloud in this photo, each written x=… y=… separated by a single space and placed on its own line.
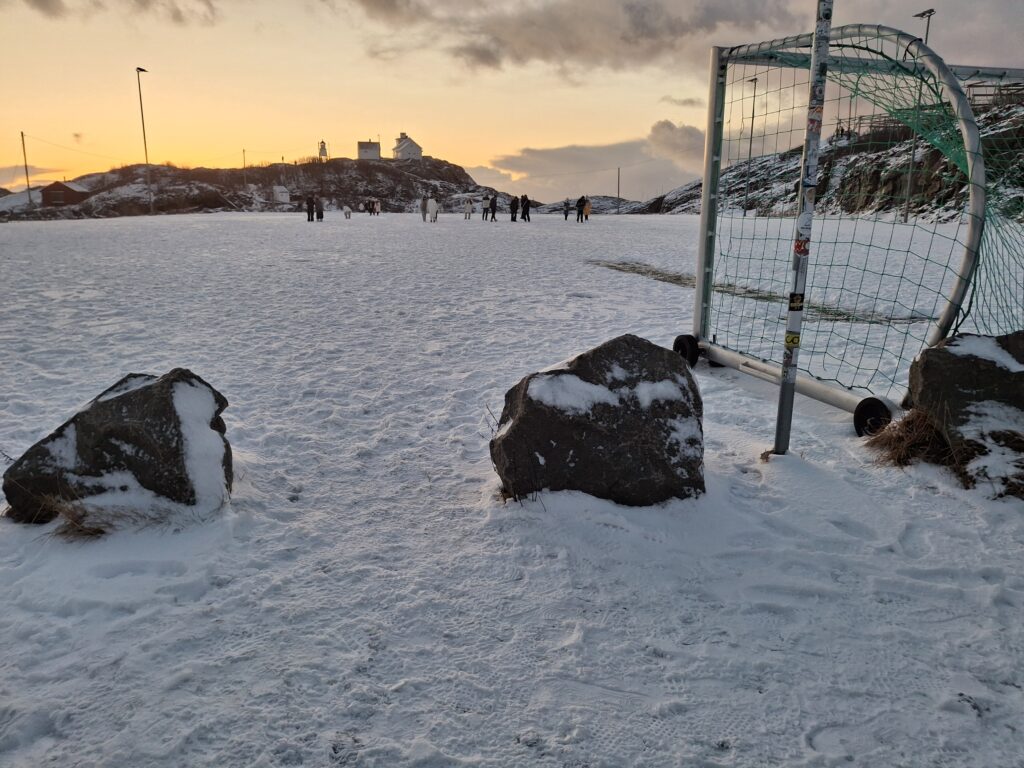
x=603 y=33
x=51 y=8
x=15 y=174
x=611 y=34
x=682 y=144
x=486 y=176
x=668 y=157
x=177 y=11
x=682 y=102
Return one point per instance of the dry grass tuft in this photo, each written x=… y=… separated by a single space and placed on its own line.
x=75 y=520
x=912 y=438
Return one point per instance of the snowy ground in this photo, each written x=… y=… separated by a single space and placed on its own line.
x=368 y=600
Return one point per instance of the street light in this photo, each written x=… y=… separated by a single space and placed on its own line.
x=750 y=144
x=927 y=16
x=145 y=146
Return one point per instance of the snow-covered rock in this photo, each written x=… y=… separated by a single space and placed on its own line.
x=141 y=449
x=620 y=422
x=972 y=390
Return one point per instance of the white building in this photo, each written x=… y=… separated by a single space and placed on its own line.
x=368 y=150
x=406 y=149
x=281 y=194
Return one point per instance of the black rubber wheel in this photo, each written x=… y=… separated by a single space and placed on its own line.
x=871 y=416
x=686 y=345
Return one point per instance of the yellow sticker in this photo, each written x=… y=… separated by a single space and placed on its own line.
x=792 y=339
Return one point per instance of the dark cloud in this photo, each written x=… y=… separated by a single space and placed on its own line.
x=177 y=11
x=683 y=102
x=393 y=11
x=603 y=33
x=52 y=8
x=478 y=55
x=612 y=34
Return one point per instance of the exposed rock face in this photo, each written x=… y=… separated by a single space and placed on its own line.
x=142 y=441
x=621 y=422
x=972 y=390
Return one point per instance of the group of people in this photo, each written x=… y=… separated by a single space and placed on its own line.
x=519 y=207
x=429 y=207
x=582 y=209
x=314 y=205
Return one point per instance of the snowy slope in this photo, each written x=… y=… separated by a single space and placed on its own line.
x=865 y=175
x=398 y=184
x=367 y=600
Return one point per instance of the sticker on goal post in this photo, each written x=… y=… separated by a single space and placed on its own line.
x=792 y=340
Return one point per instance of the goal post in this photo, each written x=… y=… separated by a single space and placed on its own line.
x=898 y=134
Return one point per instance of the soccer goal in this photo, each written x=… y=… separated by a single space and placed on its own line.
x=903 y=218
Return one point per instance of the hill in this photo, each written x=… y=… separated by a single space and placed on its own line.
x=866 y=174
x=398 y=184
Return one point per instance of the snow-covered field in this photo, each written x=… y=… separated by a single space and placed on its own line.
x=367 y=600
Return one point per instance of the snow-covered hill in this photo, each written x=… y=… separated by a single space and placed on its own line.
x=865 y=174
x=598 y=204
x=398 y=184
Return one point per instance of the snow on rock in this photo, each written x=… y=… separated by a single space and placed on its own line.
x=204 y=447
x=143 y=449
x=985 y=348
x=621 y=422
x=971 y=389
x=569 y=393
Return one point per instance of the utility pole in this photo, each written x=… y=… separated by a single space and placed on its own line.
x=24 y=157
x=244 y=182
x=145 y=146
x=927 y=16
x=750 y=145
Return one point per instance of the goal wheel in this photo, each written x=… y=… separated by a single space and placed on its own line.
x=871 y=416
x=686 y=345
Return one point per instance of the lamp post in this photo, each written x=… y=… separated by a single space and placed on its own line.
x=145 y=146
x=750 y=144
x=927 y=16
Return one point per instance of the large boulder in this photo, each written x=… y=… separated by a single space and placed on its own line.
x=971 y=389
x=621 y=422
x=145 y=442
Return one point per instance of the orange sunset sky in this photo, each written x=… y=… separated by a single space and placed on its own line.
x=537 y=96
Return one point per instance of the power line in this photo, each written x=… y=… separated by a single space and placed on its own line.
x=73 y=149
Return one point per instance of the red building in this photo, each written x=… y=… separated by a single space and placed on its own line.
x=61 y=193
